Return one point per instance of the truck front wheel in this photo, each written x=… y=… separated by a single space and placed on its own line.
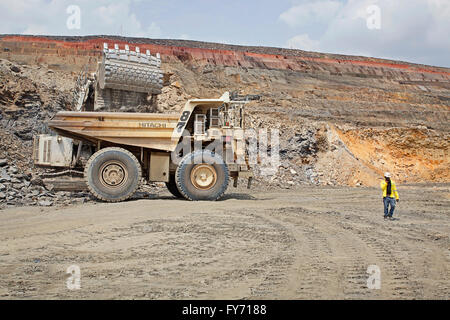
x=112 y=174
x=202 y=175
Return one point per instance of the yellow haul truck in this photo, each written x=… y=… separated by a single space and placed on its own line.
x=117 y=149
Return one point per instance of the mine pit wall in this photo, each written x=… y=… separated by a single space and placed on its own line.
x=70 y=55
x=56 y=54
x=360 y=99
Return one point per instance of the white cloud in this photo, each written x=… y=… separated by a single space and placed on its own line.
x=154 y=30
x=111 y=17
x=311 y=12
x=35 y=29
x=303 y=42
x=412 y=30
x=184 y=36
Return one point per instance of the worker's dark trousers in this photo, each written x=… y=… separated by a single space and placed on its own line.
x=388 y=201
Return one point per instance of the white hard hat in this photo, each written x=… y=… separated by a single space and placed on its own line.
x=387 y=174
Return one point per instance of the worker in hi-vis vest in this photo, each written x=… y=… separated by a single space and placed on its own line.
x=390 y=195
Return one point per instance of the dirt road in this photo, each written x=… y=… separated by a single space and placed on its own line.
x=309 y=243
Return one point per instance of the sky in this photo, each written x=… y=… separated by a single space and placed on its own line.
x=409 y=30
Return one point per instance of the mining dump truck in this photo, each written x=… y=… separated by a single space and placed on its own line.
x=118 y=149
x=195 y=153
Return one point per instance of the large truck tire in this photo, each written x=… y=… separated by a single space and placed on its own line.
x=202 y=175
x=112 y=174
x=172 y=187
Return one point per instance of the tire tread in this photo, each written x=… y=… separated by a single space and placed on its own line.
x=179 y=172
x=96 y=155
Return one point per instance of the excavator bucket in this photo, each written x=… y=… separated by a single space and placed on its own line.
x=124 y=69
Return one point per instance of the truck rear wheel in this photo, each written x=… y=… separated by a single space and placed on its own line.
x=202 y=175
x=172 y=187
x=112 y=174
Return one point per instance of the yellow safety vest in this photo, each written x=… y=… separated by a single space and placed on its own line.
x=393 y=189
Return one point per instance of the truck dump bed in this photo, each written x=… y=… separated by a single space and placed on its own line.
x=148 y=130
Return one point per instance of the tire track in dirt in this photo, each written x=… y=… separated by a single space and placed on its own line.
x=323 y=267
x=408 y=262
x=346 y=258
x=409 y=251
x=400 y=260
x=288 y=245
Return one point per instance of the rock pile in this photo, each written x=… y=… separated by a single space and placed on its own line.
x=28 y=97
x=17 y=188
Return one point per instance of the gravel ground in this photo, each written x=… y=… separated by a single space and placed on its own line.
x=309 y=243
